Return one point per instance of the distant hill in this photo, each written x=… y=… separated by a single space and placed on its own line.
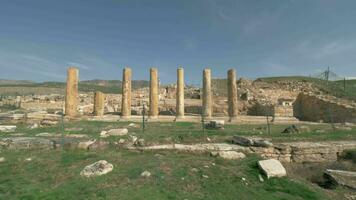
x=15 y=82
x=28 y=87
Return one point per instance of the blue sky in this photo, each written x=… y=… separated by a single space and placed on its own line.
x=39 y=39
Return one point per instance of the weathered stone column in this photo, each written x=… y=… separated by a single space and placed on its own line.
x=207 y=96
x=126 y=93
x=232 y=93
x=153 y=111
x=71 y=100
x=99 y=102
x=180 y=93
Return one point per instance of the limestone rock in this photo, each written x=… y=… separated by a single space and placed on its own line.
x=114 y=132
x=26 y=143
x=272 y=168
x=99 y=145
x=215 y=124
x=2 y=159
x=48 y=122
x=229 y=155
x=85 y=145
x=246 y=141
x=291 y=129
x=97 y=169
x=146 y=174
x=343 y=178
x=7 y=128
x=140 y=142
x=33 y=126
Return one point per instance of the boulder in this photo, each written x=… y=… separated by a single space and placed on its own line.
x=99 y=145
x=114 y=132
x=85 y=144
x=272 y=168
x=343 y=178
x=47 y=122
x=2 y=159
x=291 y=129
x=246 y=141
x=33 y=126
x=146 y=174
x=7 y=128
x=215 y=124
x=139 y=142
x=97 y=169
x=229 y=155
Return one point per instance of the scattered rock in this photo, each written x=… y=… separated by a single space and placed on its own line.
x=97 y=169
x=85 y=145
x=244 y=141
x=194 y=170
x=99 y=145
x=291 y=129
x=26 y=143
x=2 y=159
x=205 y=176
x=229 y=155
x=256 y=142
x=33 y=126
x=215 y=124
x=114 y=132
x=146 y=174
x=343 y=178
x=132 y=125
x=47 y=135
x=73 y=129
x=75 y=135
x=343 y=128
x=48 y=122
x=7 y=128
x=140 y=142
x=133 y=138
x=122 y=141
x=28 y=159
x=260 y=178
x=272 y=168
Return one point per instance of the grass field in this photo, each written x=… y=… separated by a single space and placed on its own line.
x=188 y=132
x=55 y=175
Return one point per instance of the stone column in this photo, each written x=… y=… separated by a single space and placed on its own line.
x=126 y=93
x=180 y=93
x=71 y=100
x=99 y=102
x=207 y=96
x=232 y=93
x=153 y=111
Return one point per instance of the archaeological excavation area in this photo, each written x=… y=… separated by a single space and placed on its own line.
x=268 y=138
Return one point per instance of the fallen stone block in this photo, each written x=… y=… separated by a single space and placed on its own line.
x=97 y=169
x=7 y=128
x=114 y=132
x=343 y=178
x=229 y=155
x=85 y=144
x=272 y=168
x=215 y=124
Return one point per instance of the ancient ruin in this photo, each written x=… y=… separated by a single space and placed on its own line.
x=71 y=103
x=126 y=93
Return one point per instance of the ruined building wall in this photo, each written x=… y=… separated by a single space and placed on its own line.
x=318 y=108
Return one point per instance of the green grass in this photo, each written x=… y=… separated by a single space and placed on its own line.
x=188 y=132
x=55 y=175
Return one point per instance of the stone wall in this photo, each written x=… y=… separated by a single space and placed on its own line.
x=321 y=108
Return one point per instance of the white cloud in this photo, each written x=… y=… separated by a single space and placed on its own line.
x=79 y=65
